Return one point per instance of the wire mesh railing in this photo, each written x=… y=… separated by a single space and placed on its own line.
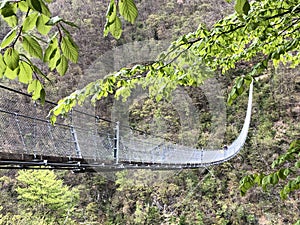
x=152 y=150
x=25 y=129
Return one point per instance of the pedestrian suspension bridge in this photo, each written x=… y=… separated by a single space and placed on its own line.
x=29 y=140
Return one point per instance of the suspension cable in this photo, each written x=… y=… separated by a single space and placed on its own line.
x=53 y=103
x=84 y=113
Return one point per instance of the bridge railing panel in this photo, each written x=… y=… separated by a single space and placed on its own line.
x=25 y=128
x=95 y=137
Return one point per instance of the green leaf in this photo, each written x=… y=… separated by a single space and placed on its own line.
x=53 y=59
x=11 y=74
x=45 y=9
x=2 y=66
x=242 y=7
x=232 y=96
x=43 y=96
x=36 y=5
x=295 y=145
x=286 y=172
x=266 y=181
x=113 y=23
x=258 y=179
x=41 y=24
x=48 y=52
x=240 y=90
x=8 y=39
x=111 y=12
x=281 y=175
x=57 y=19
x=12 y=21
x=239 y=82
x=248 y=80
x=70 y=23
x=297 y=223
x=62 y=67
x=283 y=194
x=25 y=74
x=116 y=28
x=8 y=10
x=128 y=10
x=23 y=6
x=51 y=49
x=35 y=88
x=11 y=58
x=54 y=20
x=32 y=47
x=246 y=8
x=30 y=21
x=40 y=6
x=53 y=119
x=274 y=179
x=69 y=49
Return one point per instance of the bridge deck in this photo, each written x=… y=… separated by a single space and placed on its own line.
x=28 y=140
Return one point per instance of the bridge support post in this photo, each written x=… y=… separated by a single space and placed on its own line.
x=117 y=142
x=74 y=138
x=77 y=147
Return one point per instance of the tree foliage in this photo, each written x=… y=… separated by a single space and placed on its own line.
x=264 y=32
x=42 y=192
x=261 y=34
x=35 y=37
x=289 y=173
x=126 y=8
x=265 y=35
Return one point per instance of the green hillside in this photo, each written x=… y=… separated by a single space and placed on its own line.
x=200 y=196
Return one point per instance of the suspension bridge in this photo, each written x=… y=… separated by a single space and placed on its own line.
x=29 y=140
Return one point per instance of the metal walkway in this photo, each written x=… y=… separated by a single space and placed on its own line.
x=28 y=140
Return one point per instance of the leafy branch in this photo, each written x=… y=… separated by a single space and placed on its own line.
x=32 y=27
x=125 y=8
x=288 y=173
x=243 y=36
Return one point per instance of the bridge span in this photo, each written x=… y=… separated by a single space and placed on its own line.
x=29 y=140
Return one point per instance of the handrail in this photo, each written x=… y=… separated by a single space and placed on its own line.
x=132 y=154
x=182 y=155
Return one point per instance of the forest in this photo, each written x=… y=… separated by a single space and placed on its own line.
x=74 y=51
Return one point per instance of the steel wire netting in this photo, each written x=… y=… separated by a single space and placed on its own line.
x=25 y=129
x=149 y=149
x=95 y=137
